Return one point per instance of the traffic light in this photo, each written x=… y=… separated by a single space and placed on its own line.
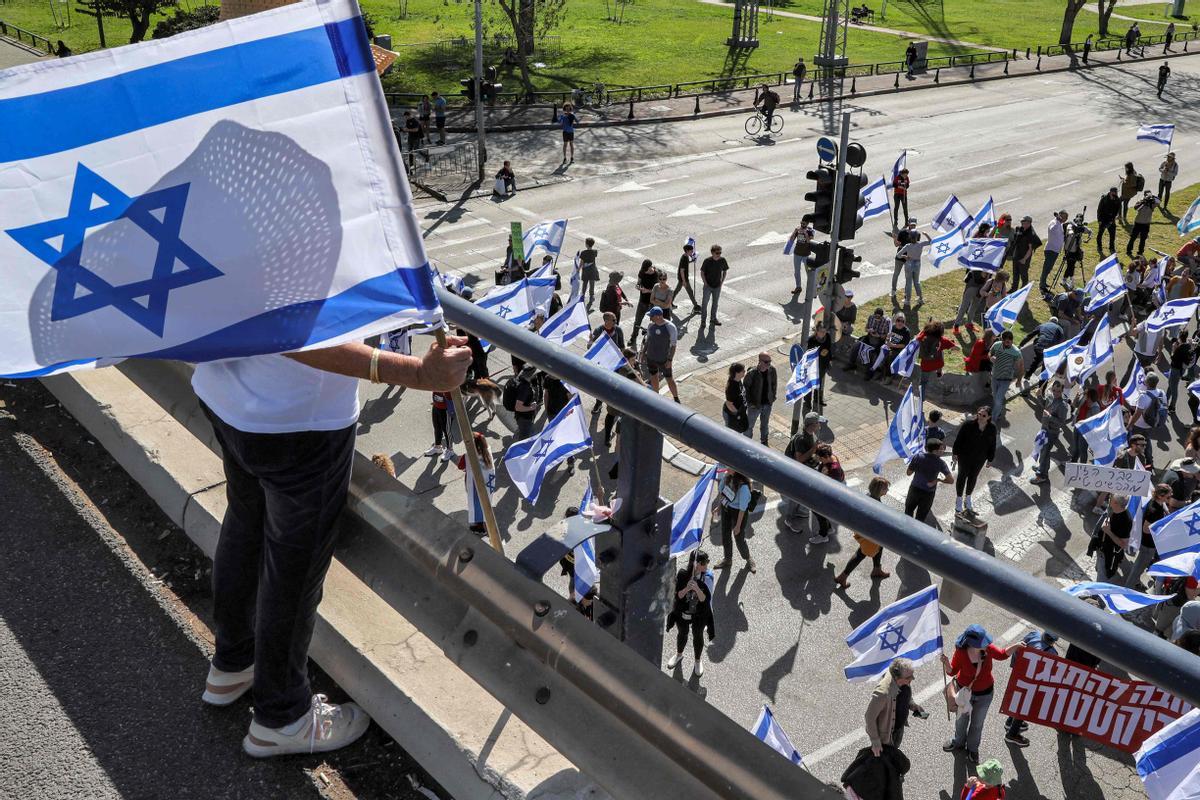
x=845 y=271
x=822 y=197
x=852 y=206
x=468 y=89
x=819 y=256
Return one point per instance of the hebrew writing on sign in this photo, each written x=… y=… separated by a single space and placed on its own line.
x=1051 y=691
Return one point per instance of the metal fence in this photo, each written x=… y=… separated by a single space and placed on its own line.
x=442 y=169
x=22 y=35
x=462 y=49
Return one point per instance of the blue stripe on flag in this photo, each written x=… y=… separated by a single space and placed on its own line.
x=915 y=654
x=62 y=119
x=1184 y=743
x=919 y=599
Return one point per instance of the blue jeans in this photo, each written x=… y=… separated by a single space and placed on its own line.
x=999 y=392
x=1043 y=467
x=709 y=292
x=763 y=414
x=968 y=728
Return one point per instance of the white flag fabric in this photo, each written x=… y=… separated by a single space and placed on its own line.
x=1168 y=762
x=689 y=519
x=875 y=199
x=232 y=192
x=1135 y=385
x=1083 y=360
x=541 y=283
x=806 y=376
x=510 y=302
x=1163 y=134
x=986 y=214
x=1178 y=532
x=1136 y=508
x=1004 y=314
x=906 y=359
x=692 y=241
x=946 y=246
x=605 y=353
x=1105 y=434
x=1190 y=221
x=576 y=280
x=568 y=324
x=1053 y=357
x=1194 y=388
x=906 y=434
x=952 y=216
x=1172 y=314
x=1154 y=274
x=1117 y=599
x=1106 y=285
x=985 y=255
x=901 y=163
x=529 y=460
x=546 y=236
x=1181 y=565
x=909 y=628
x=452 y=282
x=770 y=733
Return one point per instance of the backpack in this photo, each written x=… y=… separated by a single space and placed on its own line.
x=1156 y=412
x=929 y=347
x=509 y=398
x=1139 y=182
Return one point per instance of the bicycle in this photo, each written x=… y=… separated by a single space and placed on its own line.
x=755 y=125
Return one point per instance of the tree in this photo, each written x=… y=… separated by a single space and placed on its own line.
x=530 y=20
x=1072 y=11
x=180 y=21
x=138 y=12
x=1106 y=10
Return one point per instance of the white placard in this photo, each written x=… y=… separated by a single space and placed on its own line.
x=1107 y=479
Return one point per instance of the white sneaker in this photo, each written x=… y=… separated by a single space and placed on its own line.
x=698 y=670
x=222 y=688
x=326 y=727
x=434 y=450
x=674 y=660
x=449 y=455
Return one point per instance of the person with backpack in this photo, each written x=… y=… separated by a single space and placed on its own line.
x=523 y=397
x=1107 y=211
x=1055 y=416
x=798 y=72
x=1151 y=412
x=800 y=243
x=692 y=610
x=1131 y=183
x=829 y=466
x=1110 y=537
x=933 y=343
x=769 y=101
x=612 y=299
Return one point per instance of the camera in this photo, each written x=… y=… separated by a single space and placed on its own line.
x=693 y=603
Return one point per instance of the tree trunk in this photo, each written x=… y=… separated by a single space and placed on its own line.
x=1069 y=14
x=510 y=10
x=1106 y=10
x=141 y=24
x=525 y=34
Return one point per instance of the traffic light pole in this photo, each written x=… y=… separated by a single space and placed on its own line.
x=480 y=134
x=836 y=223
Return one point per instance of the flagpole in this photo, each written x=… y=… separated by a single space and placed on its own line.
x=468 y=437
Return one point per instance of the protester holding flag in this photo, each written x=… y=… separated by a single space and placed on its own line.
x=734 y=501
x=876 y=489
x=1111 y=538
x=612 y=299
x=971 y=669
x=1085 y=405
x=692 y=610
x=1055 y=415
x=894 y=344
x=974 y=448
x=929 y=352
x=475 y=520
x=900 y=184
x=994 y=290
x=926 y=469
x=1153 y=511
x=822 y=342
x=1014 y=728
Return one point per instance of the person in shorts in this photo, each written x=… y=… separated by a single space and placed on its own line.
x=439 y=116
x=658 y=350
x=568 y=121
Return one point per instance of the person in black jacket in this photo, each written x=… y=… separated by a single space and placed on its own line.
x=1107 y=211
x=877 y=777
x=759 y=385
x=974 y=448
x=693 y=610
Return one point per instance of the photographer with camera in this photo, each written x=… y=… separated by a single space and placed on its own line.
x=1143 y=211
x=1075 y=237
x=692 y=610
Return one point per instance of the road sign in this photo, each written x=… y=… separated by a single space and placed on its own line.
x=826 y=149
x=796 y=353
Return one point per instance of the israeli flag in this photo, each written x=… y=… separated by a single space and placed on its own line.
x=1160 y=294
x=541 y=283
x=1053 y=357
x=1163 y=134
x=689 y=519
x=1154 y=274
x=875 y=199
x=1136 y=508
x=1135 y=385
x=233 y=192
x=1172 y=314
x=1004 y=314
x=901 y=163
x=1106 y=285
x=985 y=255
x=1178 y=532
x=692 y=241
x=770 y=733
x=605 y=354
x=906 y=434
x=789 y=246
x=986 y=214
x=906 y=359
x=587 y=574
x=1105 y=434
x=568 y=324
x=805 y=377
x=1194 y=388
x=452 y=282
x=952 y=216
x=576 y=280
x=1117 y=599
x=1190 y=221
x=1169 y=760
x=474 y=505
x=909 y=628
x=529 y=460
x=1083 y=360
x=510 y=302
x=547 y=236
x=1183 y=565
x=946 y=246
x=1040 y=440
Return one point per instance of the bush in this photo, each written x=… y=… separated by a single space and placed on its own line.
x=186 y=21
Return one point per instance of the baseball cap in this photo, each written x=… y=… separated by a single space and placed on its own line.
x=655 y=311
x=849 y=293
x=812 y=417
x=1026 y=218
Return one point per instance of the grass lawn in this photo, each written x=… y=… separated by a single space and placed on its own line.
x=944 y=292
x=1161 y=12
x=82 y=35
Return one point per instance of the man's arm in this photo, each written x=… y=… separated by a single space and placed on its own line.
x=440 y=369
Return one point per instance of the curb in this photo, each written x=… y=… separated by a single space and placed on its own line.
x=472 y=746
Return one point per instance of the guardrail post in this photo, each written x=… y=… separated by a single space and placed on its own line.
x=1006 y=66
x=854 y=85
x=630 y=110
x=811 y=85
x=937 y=75
x=553 y=113
x=635 y=570
x=896 y=83
x=696 y=110
x=1026 y=53
x=972 y=72
x=1038 y=66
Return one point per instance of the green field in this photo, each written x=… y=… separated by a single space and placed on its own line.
x=81 y=35
x=1160 y=12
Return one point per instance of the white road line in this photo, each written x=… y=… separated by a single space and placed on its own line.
x=737 y=224
x=768 y=178
x=754 y=301
x=525 y=212
x=1009 y=200
x=630 y=253
x=730 y=202
x=662 y=180
x=452 y=242
x=977 y=166
x=1062 y=185
x=744 y=277
x=925 y=178
x=1090 y=138
x=665 y=199
x=1035 y=152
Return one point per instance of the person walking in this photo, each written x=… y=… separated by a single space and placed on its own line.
x=1168 y=170
x=829 y=466
x=1183 y=362
x=1155 y=510
x=1143 y=214
x=1055 y=416
x=911 y=253
x=880 y=716
x=802 y=448
x=439 y=116
x=971 y=669
x=567 y=121
x=1007 y=366
x=876 y=489
x=798 y=73
x=683 y=281
x=734 y=501
x=1131 y=183
x=1055 y=240
x=760 y=386
x=1112 y=537
x=1164 y=72
x=424 y=112
x=1042 y=642
x=900 y=186
x=612 y=299
x=1168 y=37
x=734 y=409
x=1131 y=38
x=661 y=295
x=658 y=350
x=800 y=243
x=1021 y=248
x=974 y=448
x=589 y=273
x=926 y=470
x=443 y=438
x=712 y=274
x=821 y=341
x=1087 y=48
x=691 y=612
x=528 y=399
x=646 y=278
x=1107 y=211
x=412 y=129
x=910 y=59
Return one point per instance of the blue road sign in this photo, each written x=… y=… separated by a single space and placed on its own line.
x=796 y=353
x=826 y=149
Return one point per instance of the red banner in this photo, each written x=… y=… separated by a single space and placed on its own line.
x=1051 y=691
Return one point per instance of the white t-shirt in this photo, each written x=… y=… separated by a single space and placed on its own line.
x=276 y=394
x=1144 y=403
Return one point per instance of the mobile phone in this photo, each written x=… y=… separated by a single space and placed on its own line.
x=922 y=714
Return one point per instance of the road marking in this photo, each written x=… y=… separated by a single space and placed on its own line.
x=630 y=253
x=452 y=242
x=737 y=224
x=1090 y=138
x=664 y=180
x=731 y=202
x=744 y=277
x=977 y=166
x=1061 y=185
x=1010 y=200
x=1035 y=152
x=754 y=301
x=768 y=178
x=665 y=199
x=525 y=212
x=926 y=178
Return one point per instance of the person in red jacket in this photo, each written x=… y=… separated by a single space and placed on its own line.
x=971 y=668
x=933 y=342
x=988 y=786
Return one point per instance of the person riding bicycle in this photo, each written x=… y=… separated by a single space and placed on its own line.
x=769 y=101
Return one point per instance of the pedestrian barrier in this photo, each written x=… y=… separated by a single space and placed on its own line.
x=442 y=169
x=22 y=35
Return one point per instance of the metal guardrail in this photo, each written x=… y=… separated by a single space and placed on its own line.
x=20 y=34
x=1107 y=635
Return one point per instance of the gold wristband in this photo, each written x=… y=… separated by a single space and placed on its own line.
x=374 y=374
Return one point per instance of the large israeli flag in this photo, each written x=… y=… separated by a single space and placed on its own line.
x=1004 y=314
x=689 y=519
x=909 y=628
x=944 y=247
x=510 y=302
x=1178 y=532
x=546 y=236
x=1154 y=275
x=1053 y=357
x=906 y=434
x=605 y=353
x=1083 y=360
x=529 y=460
x=1107 y=284
x=1182 y=565
x=770 y=733
x=906 y=359
x=985 y=255
x=541 y=283
x=986 y=214
x=230 y=191
x=1169 y=760
x=952 y=216
x=1105 y=434
x=1117 y=599
x=1163 y=134
x=875 y=199
x=806 y=376
x=1172 y=314
x=901 y=163
x=1190 y=221
x=568 y=324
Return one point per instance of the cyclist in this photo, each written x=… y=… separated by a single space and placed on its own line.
x=769 y=101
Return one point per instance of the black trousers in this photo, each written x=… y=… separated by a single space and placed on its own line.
x=728 y=520
x=918 y=503
x=441 y=427
x=968 y=472
x=857 y=558
x=285 y=493
x=681 y=638
x=1111 y=227
x=1139 y=233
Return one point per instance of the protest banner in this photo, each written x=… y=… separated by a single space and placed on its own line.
x=1108 y=479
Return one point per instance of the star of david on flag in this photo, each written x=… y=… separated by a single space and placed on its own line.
x=528 y=460
x=985 y=255
x=946 y=246
x=1168 y=762
x=1004 y=314
x=875 y=199
x=806 y=376
x=1178 y=532
x=689 y=519
x=952 y=216
x=906 y=434
x=1083 y=360
x=909 y=628
x=986 y=214
x=546 y=236
x=1135 y=385
x=1162 y=134
x=1106 y=285
x=1105 y=434
x=1172 y=314
x=257 y=205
